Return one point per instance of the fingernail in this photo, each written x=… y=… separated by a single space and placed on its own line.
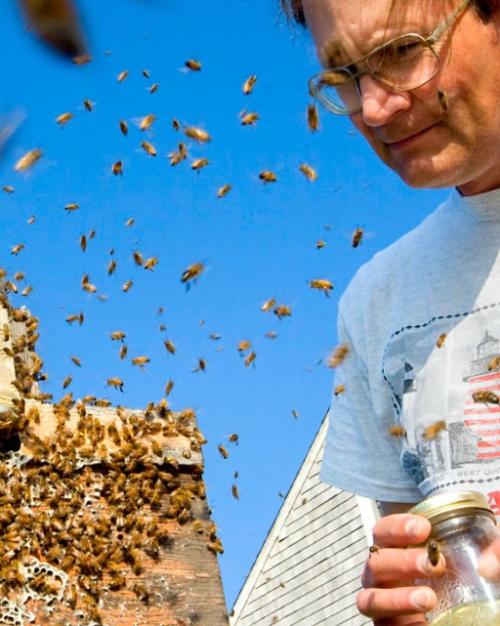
x=421 y=599
x=415 y=527
x=489 y=567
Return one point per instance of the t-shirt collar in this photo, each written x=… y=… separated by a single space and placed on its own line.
x=484 y=206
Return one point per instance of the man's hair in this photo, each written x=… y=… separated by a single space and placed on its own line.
x=295 y=10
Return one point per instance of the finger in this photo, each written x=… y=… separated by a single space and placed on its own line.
x=401 y=530
x=489 y=564
x=379 y=603
x=395 y=565
x=403 y=620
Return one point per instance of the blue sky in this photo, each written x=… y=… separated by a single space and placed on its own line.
x=258 y=242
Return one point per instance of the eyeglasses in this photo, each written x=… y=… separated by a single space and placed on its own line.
x=401 y=64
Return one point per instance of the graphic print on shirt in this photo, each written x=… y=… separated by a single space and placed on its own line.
x=446 y=395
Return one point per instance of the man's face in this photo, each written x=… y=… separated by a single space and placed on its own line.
x=412 y=132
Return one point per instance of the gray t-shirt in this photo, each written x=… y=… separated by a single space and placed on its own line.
x=422 y=319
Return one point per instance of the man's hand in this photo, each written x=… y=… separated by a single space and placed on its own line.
x=389 y=596
x=489 y=563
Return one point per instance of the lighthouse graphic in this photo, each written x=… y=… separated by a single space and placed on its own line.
x=478 y=438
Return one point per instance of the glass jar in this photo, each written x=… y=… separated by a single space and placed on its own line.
x=463 y=525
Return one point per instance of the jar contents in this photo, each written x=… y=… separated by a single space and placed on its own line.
x=475 y=614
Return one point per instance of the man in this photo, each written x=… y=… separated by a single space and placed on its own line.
x=420 y=412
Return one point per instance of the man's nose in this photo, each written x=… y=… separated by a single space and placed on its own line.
x=379 y=102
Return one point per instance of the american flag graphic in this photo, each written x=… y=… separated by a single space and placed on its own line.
x=484 y=419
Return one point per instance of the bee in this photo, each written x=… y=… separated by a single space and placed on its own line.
x=140 y=360
x=83 y=243
x=76 y=317
x=440 y=340
x=494 y=364
x=198 y=164
x=295 y=414
x=169 y=386
x=149 y=148
x=154 y=88
x=127 y=285
x=117 y=168
x=89 y=105
x=308 y=171
x=115 y=382
x=130 y=222
x=193 y=65
x=123 y=352
x=82 y=59
x=443 y=100
x=201 y=367
x=397 y=431
x=433 y=552
x=282 y=310
x=76 y=361
x=244 y=345
x=28 y=160
x=146 y=73
x=312 y=117
x=149 y=264
x=432 y=431
x=176 y=157
x=72 y=597
x=249 y=119
x=17 y=248
x=8 y=188
x=73 y=206
x=339 y=389
x=249 y=84
x=267 y=176
x=111 y=267
x=357 y=237
x=146 y=122
x=338 y=355
x=215 y=546
x=235 y=492
x=141 y=592
x=176 y=125
x=87 y=285
x=224 y=190
x=67 y=382
x=373 y=548
x=169 y=345
x=122 y=76
x=250 y=358
x=486 y=397
x=6 y=332
x=224 y=453
x=123 y=127
x=268 y=305
x=19 y=276
x=64 y=118
x=198 y=134
x=192 y=272
x=234 y=438
x=321 y=283
x=138 y=258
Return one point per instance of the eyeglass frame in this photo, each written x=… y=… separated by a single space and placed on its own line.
x=428 y=42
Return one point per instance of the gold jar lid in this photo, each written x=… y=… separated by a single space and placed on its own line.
x=446 y=505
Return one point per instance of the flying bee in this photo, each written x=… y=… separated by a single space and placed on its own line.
x=443 y=100
x=169 y=386
x=146 y=73
x=396 y=431
x=321 y=283
x=198 y=134
x=111 y=267
x=117 y=168
x=28 y=160
x=250 y=358
x=76 y=361
x=486 y=397
x=122 y=76
x=312 y=117
x=64 y=118
x=494 y=364
x=440 y=340
x=115 y=382
x=235 y=492
x=339 y=389
x=67 y=381
x=149 y=264
x=198 y=164
x=433 y=552
x=224 y=453
x=268 y=305
x=138 y=259
x=87 y=285
x=140 y=360
x=123 y=352
x=249 y=84
x=82 y=59
x=295 y=414
x=127 y=285
x=432 y=431
x=338 y=355
x=146 y=122
x=192 y=272
x=267 y=176
x=234 y=438
x=249 y=119
x=282 y=310
x=130 y=222
x=201 y=367
x=177 y=156
x=357 y=237
x=308 y=171
x=149 y=148
x=123 y=127
x=89 y=105
x=193 y=65
x=72 y=206
x=83 y=243
x=75 y=317
x=17 y=248
x=154 y=88
x=244 y=345
x=224 y=190
x=8 y=188
x=169 y=345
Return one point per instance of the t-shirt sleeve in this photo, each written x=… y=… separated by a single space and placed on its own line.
x=359 y=454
